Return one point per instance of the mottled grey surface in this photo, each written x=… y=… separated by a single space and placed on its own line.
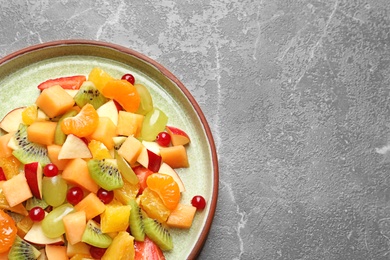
x=296 y=94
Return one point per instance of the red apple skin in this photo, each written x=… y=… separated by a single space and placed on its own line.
x=178 y=136
x=2 y=175
x=154 y=161
x=33 y=173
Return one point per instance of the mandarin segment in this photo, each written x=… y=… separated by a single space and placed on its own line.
x=166 y=187
x=124 y=93
x=8 y=231
x=83 y=124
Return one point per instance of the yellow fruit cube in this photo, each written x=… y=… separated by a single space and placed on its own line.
x=115 y=218
x=129 y=123
x=121 y=248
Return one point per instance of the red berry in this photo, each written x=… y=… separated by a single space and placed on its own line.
x=50 y=170
x=37 y=214
x=74 y=195
x=105 y=196
x=130 y=78
x=163 y=139
x=96 y=252
x=198 y=202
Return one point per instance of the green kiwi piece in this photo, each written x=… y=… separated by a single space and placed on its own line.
x=158 y=234
x=35 y=202
x=105 y=173
x=22 y=250
x=94 y=236
x=26 y=151
x=59 y=135
x=88 y=93
x=136 y=222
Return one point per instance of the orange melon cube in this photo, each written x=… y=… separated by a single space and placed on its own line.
x=52 y=152
x=5 y=150
x=115 y=218
x=76 y=172
x=130 y=149
x=16 y=190
x=91 y=205
x=54 y=101
x=19 y=208
x=55 y=252
x=75 y=224
x=42 y=132
x=129 y=123
x=123 y=243
x=182 y=216
x=175 y=156
x=105 y=131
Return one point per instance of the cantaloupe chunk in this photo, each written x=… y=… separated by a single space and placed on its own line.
x=130 y=149
x=129 y=123
x=54 y=252
x=182 y=216
x=52 y=152
x=81 y=249
x=42 y=132
x=75 y=224
x=19 y=208
x=105 y=131
x=91 y=205
x=16 y=190
x=54 y=101
x=175 y=156
x=76 y=172
x=5 y=150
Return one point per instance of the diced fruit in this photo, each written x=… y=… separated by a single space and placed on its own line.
x=166 y=187
x=126 y=170
x=54 y=190
x=52 y=225
x=198 y=202
x=136 y=221
x=83 y=124
x=178 y=136
x=130 y=150
x=33 y=174
x=5 y=150
x=151 y=203
x=124 y=93
x=53 y=152
x=76 y=172
x=109 y=110
x=8 y=231
x=96 y=252
x=158 y=234
x=94 y=236
x=147 y=250
x=105 y=173
x=30 y=114
x=75 y=224
x=115 y=219
x=54 y=101
x=73 y=148
x=34 y=202
x=129 y=123
x=149 y=159
x=99 y=77
x=123 y=243
x=24 y=226
x=104 y=132
x=91 y=205
x=127 y=192
x=54 y=252
x=36 y=236
x=182 y=216
x=19 y=208
x=146 y=99
x=59 y=135
x=10 y=166
x=142 y=174
x=41 y=132
x=175 y=156
x=12 y=120
x=89 y=94
x=153 y=123
x=99 y=150
x=16 y=190
x=23 y=250
x=71 y=82
x=166 y=169
x=81 y=249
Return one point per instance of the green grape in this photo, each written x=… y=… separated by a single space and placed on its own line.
x=54 y=190
x=52 y=225
x=146 y=99
x=154 y=123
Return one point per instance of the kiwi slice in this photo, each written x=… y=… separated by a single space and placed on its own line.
x=158 y=234
x=94 y=236
x=35 y=202
x=26 y=151
x=105 y=173
x=59 y=135
x=22 y=250
x=135 y=221
x=88 y=93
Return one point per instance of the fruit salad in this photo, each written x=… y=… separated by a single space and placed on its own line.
x=88 y=172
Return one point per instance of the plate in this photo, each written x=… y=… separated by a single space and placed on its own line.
x=22 y=71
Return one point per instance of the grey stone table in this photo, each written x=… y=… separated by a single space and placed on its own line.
x=297 y=96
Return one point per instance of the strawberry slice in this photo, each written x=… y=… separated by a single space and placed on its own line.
x=71 y=82
x=147 y=250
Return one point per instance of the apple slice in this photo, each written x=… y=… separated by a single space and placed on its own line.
x=149 y=159
x=178 y=136
x=33 y=173
x=109 y=110
x=35 y=235
x=166 y=169
x=12 y=120
x=74 y=147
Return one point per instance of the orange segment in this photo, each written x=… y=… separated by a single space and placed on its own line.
x=124 y=93
x=99 y=150
x=83 y=124
x=99 y=78
x=10 y=166
x=30 y=114
x=166 y=187
x=8 y=231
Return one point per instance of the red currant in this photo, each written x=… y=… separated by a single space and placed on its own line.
x=163 y=139
x=74 y=195
x=37 y=214
x=130 y=78
x=105 y=196
x=96 y=252
x=50 y=170
x=198 y=202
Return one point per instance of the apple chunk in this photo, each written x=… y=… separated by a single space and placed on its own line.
x=109 y=110
x=33 y=173
x=166 y=169
x=178 y=136
x=149 y=159
x=74 y=148
x=12 y=120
